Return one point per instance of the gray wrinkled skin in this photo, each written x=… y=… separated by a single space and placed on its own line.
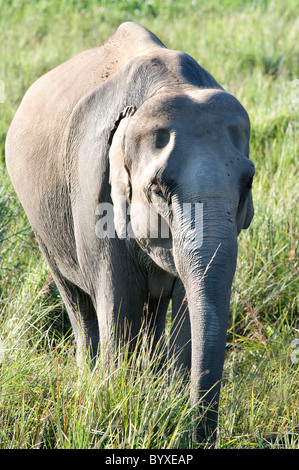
x=184 y=140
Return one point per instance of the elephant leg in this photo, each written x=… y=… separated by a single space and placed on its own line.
x=180 y=333
x=155 y=322
x=120 y=301
x=80 y=310
x=82 y=316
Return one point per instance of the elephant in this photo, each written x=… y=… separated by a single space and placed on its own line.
x=145 y=131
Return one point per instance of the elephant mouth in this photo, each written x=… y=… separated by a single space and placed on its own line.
x=157 y=236
x=161 y=253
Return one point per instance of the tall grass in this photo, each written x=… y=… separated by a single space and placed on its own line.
x=252 y=49
x=47 y=402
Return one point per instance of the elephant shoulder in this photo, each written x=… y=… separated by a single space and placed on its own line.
x=47 y=105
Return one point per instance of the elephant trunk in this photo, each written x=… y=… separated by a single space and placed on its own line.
x=206 y=266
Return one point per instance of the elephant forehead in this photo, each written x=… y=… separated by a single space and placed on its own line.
x=189 y=109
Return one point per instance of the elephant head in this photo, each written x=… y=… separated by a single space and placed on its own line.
x=184 y=155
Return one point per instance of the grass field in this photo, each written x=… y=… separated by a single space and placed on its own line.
x=252 y=49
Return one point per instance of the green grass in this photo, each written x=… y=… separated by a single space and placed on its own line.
x=252 y=49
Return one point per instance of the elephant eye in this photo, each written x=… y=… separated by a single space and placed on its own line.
x=157 y=190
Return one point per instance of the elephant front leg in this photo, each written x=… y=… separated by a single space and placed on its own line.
x=118 y=323
x=119 y=304
x=180 y=334
x=155 y=318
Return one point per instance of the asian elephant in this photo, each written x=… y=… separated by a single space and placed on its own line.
x=136 y=127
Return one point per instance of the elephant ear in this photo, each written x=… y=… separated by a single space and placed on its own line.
x=119 y=176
